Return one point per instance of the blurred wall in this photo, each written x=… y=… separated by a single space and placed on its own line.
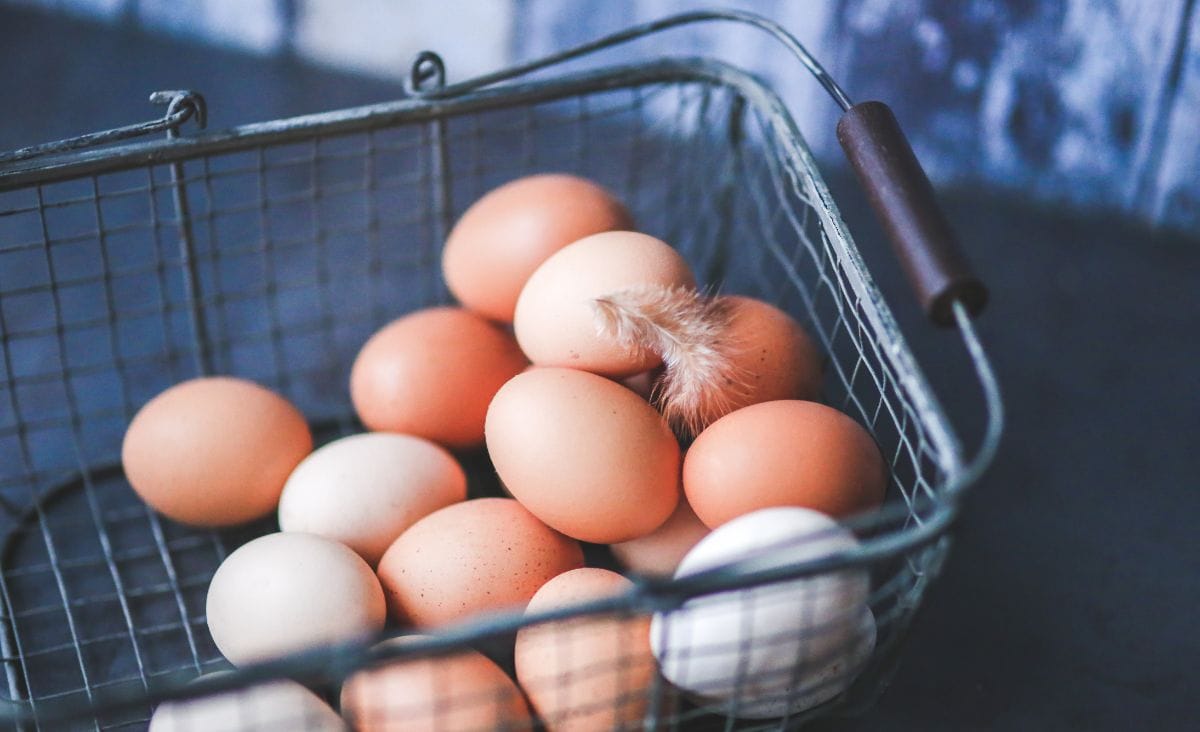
x=1094 y=103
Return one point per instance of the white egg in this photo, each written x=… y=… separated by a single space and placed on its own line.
x=275 y=705
x=365 y=490
x=809 y=681
x=774 y=649
x=284 y=593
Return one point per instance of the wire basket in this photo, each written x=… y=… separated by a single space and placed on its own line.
x=272 y=251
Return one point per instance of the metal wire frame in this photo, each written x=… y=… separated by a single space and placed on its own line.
x=244 y=193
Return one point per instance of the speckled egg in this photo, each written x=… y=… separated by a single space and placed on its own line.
x=471 y=557
x=459 y=691
x=774 y=355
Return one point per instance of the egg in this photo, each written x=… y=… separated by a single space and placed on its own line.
x=555 y=321
x=810 y=682
x=503 y=237
x=772 y=352
x=487 y=554
x=283 y=593
x=214 y=451
x=365 y=490
x=586 y=673
x=460 y=691
x=432 y=373
x=641 y=384
x=274 y=705
x=660 y=552
x=770 y=649
x=783 y=453
x=584 y=454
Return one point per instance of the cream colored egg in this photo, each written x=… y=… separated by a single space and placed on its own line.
x=555 y=321
x=283 y=593
x=459 y=691
x=270 y=707
x=365 y=490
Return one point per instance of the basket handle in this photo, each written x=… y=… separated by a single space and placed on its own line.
x=902 y=197
x=896 y=185
x=427 y=75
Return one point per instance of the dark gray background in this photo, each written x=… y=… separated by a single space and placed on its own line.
x=1068 y=601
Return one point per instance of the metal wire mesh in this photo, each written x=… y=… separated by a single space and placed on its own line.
x=275 y=261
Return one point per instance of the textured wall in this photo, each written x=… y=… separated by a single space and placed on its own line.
x=1095 y=103
x=1091 y=102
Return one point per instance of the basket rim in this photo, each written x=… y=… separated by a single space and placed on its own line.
x=122 y=157
x=406 y=110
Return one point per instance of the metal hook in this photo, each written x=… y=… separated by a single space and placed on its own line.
x=426 y=74
x=182 y=105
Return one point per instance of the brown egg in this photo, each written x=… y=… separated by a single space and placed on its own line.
x=773 y=353
x=214 y=451
x=584 y=454
x=783 y=453
x=432 y=374
x=461 y=691
x=472 y=557
x=555 y=321
x=589 y=673
x=504 y=236
x=284 y=593
x=658 y=553
x=641 y=384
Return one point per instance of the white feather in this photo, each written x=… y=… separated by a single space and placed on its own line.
x=689 y=331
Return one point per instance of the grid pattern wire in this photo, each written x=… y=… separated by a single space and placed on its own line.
x=292 y=254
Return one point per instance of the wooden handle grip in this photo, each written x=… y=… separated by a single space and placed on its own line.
x=903 y=199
